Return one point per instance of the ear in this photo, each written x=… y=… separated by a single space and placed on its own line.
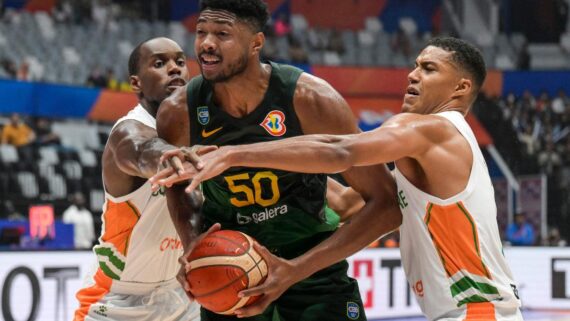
x=463 y=88
x=258 y=42
x=135 y=84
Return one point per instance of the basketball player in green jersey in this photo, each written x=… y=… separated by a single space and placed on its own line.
x=238 y=100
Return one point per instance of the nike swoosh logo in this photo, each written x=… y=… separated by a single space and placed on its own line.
x=206 y=134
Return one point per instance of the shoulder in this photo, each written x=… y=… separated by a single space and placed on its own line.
x=320 y=108
x=129 y=128
x=173 y=107
x=434 y=127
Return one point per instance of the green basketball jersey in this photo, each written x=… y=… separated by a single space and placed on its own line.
x=284 y=211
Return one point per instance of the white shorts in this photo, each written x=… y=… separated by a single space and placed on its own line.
x=162 y=304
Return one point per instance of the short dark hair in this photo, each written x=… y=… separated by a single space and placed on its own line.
x=134 y=59
x=465 y=55
x=254 y=12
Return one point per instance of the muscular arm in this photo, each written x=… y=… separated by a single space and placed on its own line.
x=173 y=125
x=136 y=148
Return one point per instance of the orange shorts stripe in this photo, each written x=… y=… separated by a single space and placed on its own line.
x=91 y=295
x=484 y=311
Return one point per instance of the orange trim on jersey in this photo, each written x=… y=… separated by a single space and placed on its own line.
x=91 y=295
x=120 y=220
x=484 y=311
x=454 y=235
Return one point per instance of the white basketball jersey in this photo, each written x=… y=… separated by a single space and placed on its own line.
x=451 y=249
x=138 y=243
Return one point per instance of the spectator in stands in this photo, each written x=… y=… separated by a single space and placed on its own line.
x=520 y=232
x=549 y=159
x=96 y=79
x=62 y=12
x=23 y=72
x=401 y=43
x=9 y=68
x=523 y=59
x=17 y=133
x=297 y=52
x=44 y=134
x=112 y=81
x=529 y=141
x=82 y=220
x=11 y=213
x=282 y=27
x=554 y=238
x=336 y=43
x=560 y=103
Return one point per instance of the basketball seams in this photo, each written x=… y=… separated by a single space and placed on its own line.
x=249 y=264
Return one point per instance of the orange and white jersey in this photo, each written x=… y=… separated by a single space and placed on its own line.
x=137 y=258
x=451 y=249
x=138 y=243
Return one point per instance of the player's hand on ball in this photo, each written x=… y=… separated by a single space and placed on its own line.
x=183 y=260
x=280 y=276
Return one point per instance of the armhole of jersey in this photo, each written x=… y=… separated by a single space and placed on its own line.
x=289 y=77
x=192 y=94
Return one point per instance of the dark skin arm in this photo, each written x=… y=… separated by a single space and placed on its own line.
x=173 y=126
x=131 y=156
x=321 y=110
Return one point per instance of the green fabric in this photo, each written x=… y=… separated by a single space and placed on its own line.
x=324 y=296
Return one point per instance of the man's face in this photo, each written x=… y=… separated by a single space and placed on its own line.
x=223 y=45
x=432 y=82
x=162 y=69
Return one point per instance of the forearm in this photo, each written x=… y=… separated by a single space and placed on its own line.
x=181 y=211
x=364 y=227
x=149 y=158
x=306 y=154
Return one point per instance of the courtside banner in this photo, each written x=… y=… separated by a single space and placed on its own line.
x=42 y=285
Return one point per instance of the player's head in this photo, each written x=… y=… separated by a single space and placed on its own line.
x=156 y=68
x=229 y=35
x=448 y=71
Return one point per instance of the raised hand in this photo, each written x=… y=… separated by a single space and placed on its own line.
x=280 y=276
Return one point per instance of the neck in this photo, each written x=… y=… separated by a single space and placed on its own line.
x=240 y=95
x=151 y=107
x=452 y=105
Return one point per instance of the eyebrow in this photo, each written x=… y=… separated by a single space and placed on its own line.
x=217 y=20
x=163 y=54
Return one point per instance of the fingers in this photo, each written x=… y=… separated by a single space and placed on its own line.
x=257 y=290
x=191 y=156
x=176 y=163
x=194 y=184
x=171 y=153
x=263 y=251
x=201 y=150
x=254 y=309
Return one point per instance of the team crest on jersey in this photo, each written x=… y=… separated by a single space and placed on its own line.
x=203 y=115
x=352 y=310
x=274 y=123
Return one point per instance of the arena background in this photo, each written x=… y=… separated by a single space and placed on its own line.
x=63 y=70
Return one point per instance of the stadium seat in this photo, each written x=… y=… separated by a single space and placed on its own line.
x=28 y=184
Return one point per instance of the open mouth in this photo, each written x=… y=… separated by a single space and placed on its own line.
x=412 y=91
x=177 y=82
x=209 y=60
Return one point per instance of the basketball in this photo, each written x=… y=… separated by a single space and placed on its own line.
x=221 y=265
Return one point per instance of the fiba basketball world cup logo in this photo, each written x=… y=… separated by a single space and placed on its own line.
x=352 y=310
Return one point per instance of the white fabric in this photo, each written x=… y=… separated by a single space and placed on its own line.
x=421 y=259
x=83 y=229
x=167 y=303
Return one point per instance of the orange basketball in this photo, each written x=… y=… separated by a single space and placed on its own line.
x=221 y=265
